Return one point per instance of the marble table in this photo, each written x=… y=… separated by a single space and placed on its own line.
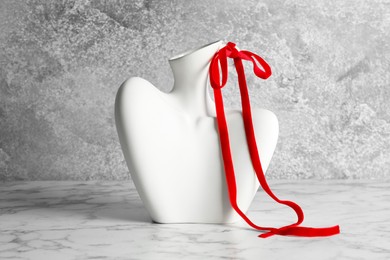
x=106 y=220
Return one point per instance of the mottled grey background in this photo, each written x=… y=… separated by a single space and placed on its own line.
x=62 y=63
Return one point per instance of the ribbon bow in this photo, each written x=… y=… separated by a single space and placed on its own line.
x=220 y=59
x=231 y=51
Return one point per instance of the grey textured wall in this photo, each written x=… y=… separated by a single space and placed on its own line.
x=62 y=62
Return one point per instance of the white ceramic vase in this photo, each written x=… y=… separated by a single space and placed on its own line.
x=171 y=146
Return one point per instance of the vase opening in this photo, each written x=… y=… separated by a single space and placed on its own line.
x=183 y=54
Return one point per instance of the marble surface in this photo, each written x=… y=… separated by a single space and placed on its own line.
x=106 y=220
x=61 y=63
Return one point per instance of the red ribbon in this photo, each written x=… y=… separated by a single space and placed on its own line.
x=220 y=60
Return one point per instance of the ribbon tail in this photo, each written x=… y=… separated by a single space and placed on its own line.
x=299 y=231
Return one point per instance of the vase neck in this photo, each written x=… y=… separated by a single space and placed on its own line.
x=190 y=71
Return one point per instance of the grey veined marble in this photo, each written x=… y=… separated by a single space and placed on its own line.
x=61 y=63
x=106 y=220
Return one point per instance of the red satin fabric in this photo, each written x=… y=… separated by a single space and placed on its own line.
x=220 y=61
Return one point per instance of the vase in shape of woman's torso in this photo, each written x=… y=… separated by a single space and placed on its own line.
x=171 y=146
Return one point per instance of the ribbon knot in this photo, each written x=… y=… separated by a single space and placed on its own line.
x=231 y=45
x=234 y=53
x=220 y=60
